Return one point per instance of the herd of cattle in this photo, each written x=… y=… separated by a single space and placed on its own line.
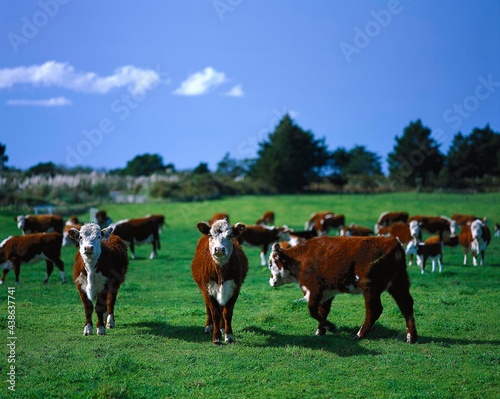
x=357 y=260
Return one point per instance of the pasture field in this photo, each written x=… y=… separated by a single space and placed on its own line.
x=158 y=348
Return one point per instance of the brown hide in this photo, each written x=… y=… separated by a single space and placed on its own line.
x=218 y=216
x=432 y=224
x=465 y=240
x=388 y=218
x=42 y=224
x=204 y=270
x=23 y=249
x=356 y=230
x=325 y=265
x=137 y=230
x=266 y=219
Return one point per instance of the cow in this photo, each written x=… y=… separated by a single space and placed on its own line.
x=103 y=220
x=266 y=219
x=401 y=231
x=160 y=221
x=30 y=224
x=72 y=222
x=431 y=224
x=137 y=232
x=497 y=230
x=300 y=236
x=32 y=248
x=218 y=216
x=432 y=249
x=387 y=219
x=322 y=222
x=326 y=266
x=263 y=237
x=219 y=268
x=356 y=230
x=458 y=220
x=475 y=237
x=101 y=264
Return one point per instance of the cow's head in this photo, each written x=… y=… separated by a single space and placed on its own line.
x=453 y=227
x=412 y=247
x=476 y=229
x=279 y=266
x=88 y=239
x=220 y=238
x=415 y=228
x=20 y=221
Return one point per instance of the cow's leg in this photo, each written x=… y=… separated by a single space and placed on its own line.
x=50 y=268
x=423 y=260
x=110 y=306
x=16 y=265
x=209 y=324
x=132 y=250
x=89 y=308
x=263 y=252
x=440 y=264
x=60 y=265
x=227 y=314
x=4 y=273
x=154 y=244
x=215 y=315
x=100 y=308
x=323 y=323
x=324 y=311
x=400 y=291
x=373 y=308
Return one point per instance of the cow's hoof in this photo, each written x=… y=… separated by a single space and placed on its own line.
x=209 y=329
x=229 y=339
x=321 y=331
x=217 y=341
x=101 y=330
x=87 y=330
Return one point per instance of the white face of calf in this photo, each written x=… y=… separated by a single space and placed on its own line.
x=279 y=274
x=220 y=239
x=476 y=229
x=88 y=240
x=20 y=222
x=412 y=247
x=414 y=228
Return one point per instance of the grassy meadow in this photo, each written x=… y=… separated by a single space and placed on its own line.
x=158 y=348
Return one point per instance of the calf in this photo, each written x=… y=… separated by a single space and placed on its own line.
x=431 y=224
x=218 y=216
x=72 y=222
x=356 y=230
x=219 y=268
x=263 y=237
x=101 y=264
x=430 y=249
x=39 y=223
x=475 y=237
x=322 y=222
x=266 y=219
x=387 y=219
x=137 y=232
x=32 y=248
x=326 y=266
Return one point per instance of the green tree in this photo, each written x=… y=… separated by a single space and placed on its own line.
x=144 y=165
x=231 y=167
x=290 y=159
x=44 y=168
x=3 y=158
x=415 y=158
x=357 y=161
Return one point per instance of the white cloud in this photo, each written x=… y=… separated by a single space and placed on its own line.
x=64 y=75
x=49 y=102
x=201 y=82
x=236 y=91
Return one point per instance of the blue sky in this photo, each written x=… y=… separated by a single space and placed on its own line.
x=96 y=83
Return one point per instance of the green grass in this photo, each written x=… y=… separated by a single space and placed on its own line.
x=158 y=349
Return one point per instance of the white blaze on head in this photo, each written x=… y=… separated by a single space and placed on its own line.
x=476 y=229
x=20 y=221
x=89 y=241
x=279 y=274
x=412 y=247
x=453 y=227
x=414 y=228
x=220 y=238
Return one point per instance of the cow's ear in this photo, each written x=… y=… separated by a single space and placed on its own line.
x=204 y=228
x=277 y=248
x=106 y=233
x=238 y=229
x=74 y=234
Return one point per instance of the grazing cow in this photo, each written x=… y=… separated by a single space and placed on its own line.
x=356 y=230
x=101 y=264
x=300 y=236
x=431 y=249
x=219 y=268
x=103 y=220
x=266 y=219
x=326 y=266
x=137 y=232
x=218 y=216
x=263 y=237
x=431 y=224
x=72 y=222
x=387 y=219
x=322 y=222
x=475 y=237
x=32 y=248
x=30 y=224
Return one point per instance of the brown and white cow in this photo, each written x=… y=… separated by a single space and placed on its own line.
x=397 y=229
x=356 y=230
x=432 y=249
x=72 y=223
x=263 y=237
x=322 y=222
x=387 y=219
x=459 y=219
x=219 y=268
x=431 y=224
x=475 y=237
x=218 y=216
x=137 y=232
x=266 y=219
x=32 y=248
x=101 y=264
x=30 y=224
x=103 y=220
x=326 y=266
x=160 y=221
